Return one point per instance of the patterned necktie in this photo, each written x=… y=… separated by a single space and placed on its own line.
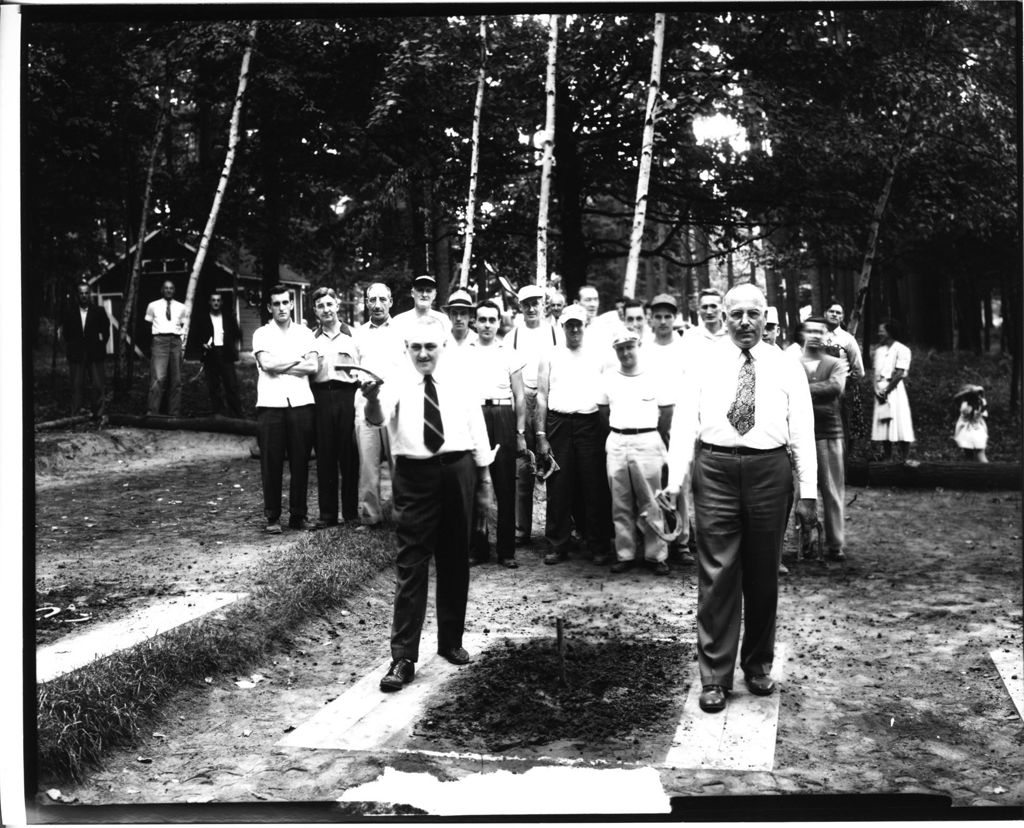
x=741 y=412
x=168 y=308
x=433 y=428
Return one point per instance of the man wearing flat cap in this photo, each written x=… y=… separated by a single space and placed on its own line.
x=639 y=409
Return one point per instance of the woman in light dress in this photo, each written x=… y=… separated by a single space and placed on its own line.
x=891 y=422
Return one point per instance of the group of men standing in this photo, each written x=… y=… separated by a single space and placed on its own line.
x=623 y=419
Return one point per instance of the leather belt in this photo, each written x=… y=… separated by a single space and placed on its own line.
x=445 y=458
x=333 y=384
x=631 y=430
x=739 y=449
x=503 y=401
x=572 y=413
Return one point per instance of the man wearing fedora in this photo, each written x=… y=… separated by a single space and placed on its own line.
x=460 y=310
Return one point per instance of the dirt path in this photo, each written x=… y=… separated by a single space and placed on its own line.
x=888 y=686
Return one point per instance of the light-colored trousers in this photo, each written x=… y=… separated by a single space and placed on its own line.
x=830 y=482
x=374 y=450
x=634 y=463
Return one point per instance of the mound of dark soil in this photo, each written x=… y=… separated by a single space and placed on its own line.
x=615 y=691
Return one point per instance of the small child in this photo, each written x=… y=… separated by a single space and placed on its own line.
x=971 y=430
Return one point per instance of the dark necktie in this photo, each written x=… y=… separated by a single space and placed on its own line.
x=168 y=308
x=433 y=428
x=741 y=412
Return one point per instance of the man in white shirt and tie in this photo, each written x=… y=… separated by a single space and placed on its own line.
x=442 y=460
x=164 y=315
x=739 y=411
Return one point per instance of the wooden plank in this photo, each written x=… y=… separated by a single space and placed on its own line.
x=1011 y=670
x=741 y=737
x=78 y=650
x=365 y=718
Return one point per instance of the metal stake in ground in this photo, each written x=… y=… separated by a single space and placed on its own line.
x=560 y=637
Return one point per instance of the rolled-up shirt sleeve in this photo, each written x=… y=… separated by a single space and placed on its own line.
x=801 y=430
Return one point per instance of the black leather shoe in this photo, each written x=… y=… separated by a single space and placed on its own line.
x=621 y=566
x=712 y=698
x=399 y=674
x=555 y=557
x=760 y=685
x=660 y=568
x=456 y=655
x=509 y=563
x=324 y=524
x=298 y=523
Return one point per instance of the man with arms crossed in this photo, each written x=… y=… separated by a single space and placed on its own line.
x=286 y=356
x=739 y=411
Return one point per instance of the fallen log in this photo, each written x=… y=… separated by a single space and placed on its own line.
x=222 y=425
x=63 y=422
x=930 y=475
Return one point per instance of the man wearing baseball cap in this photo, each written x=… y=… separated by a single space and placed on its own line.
x=424 y=292
x=571 y=429
x=639 y=409
x=532 y=338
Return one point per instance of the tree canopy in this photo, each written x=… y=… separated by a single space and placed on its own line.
x=354 y=159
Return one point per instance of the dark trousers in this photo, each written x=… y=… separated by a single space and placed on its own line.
x=165 y=372
x=580 y=486
x=281 y=430
x=433 y=501
x=741 y=504
x=337 y=454
x=94 y=372
x=219 y=368
x=501 y=430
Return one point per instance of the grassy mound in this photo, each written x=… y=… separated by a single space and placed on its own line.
x=82 y=713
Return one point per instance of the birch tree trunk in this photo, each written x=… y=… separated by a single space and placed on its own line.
x=646 y=155
x=229 y=160
x=549 y=152
x=131 y=294
x=467 y=250
x=876 y=222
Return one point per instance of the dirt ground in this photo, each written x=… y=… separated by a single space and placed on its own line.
x=888 y=686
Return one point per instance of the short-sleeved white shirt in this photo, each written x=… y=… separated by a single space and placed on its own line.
x=293 y=342
x=490 y=368
x=633 y=399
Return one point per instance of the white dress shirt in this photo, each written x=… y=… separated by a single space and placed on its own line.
x=461 y=416
x=851 y=350
x=782 y=411
x=156 y=315
x=282 y=390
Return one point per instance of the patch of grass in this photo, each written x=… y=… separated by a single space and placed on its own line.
x=83 y=713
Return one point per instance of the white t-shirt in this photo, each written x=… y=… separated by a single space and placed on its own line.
x=490 y=368
x=632 y=399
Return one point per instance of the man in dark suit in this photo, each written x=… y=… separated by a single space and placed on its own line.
x=216 y=339
x=85 y=330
